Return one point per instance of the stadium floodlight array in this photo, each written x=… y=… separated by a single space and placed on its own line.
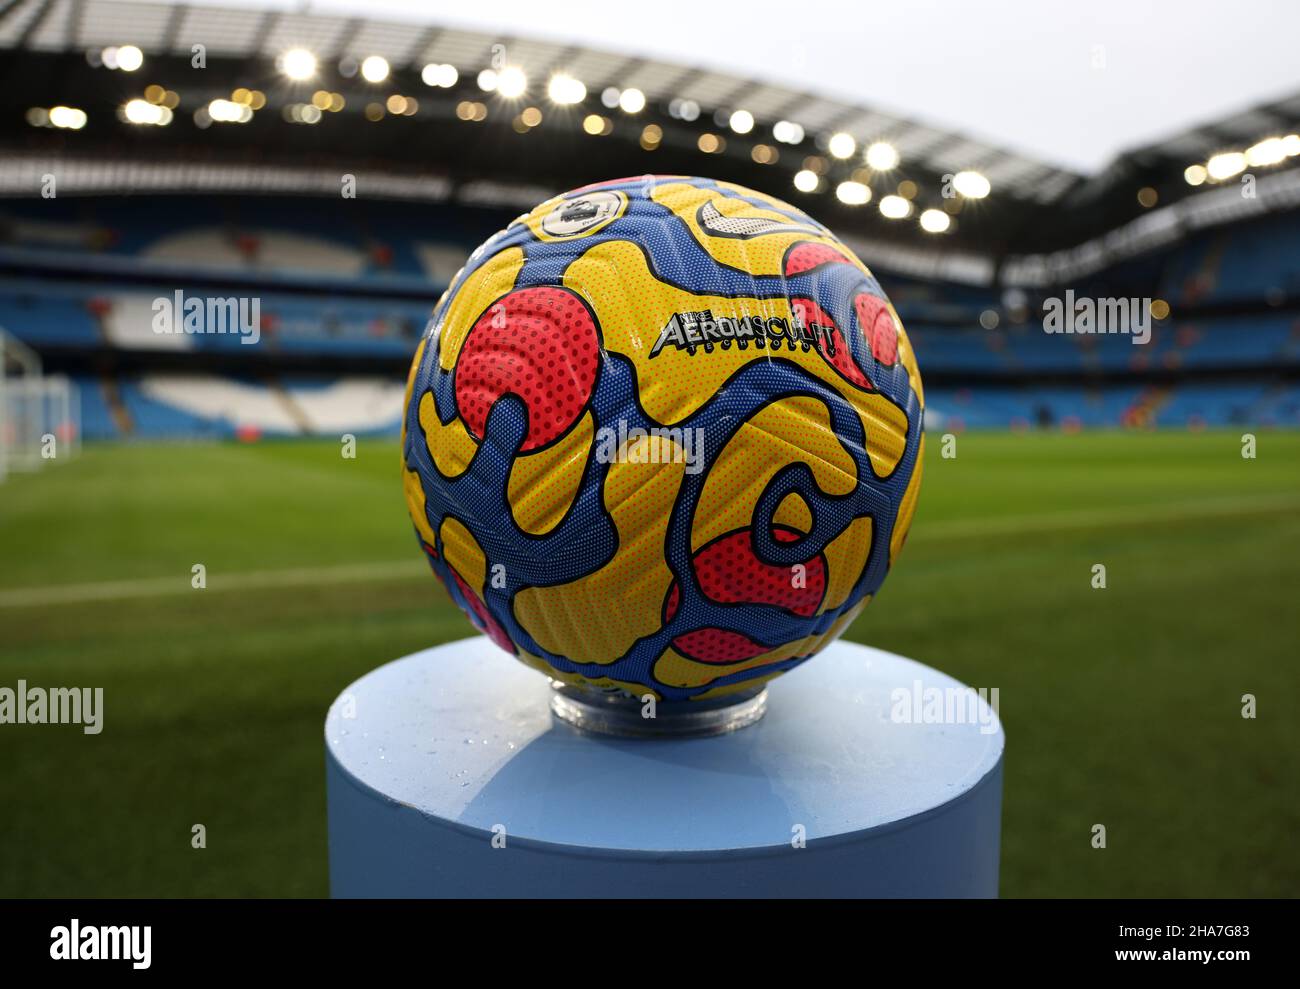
x=40 y=415
x=1226 y=164
x=443 y=58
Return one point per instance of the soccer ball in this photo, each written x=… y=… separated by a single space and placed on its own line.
x=663 y=435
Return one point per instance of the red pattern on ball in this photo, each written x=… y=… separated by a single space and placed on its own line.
x=540 y=344
x=805 y=257
x=877 y=323
x=842 y=360
x=494 y=631
x=718 y=645
x=730 y=572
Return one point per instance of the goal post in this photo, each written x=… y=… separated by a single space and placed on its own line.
x=40 y=415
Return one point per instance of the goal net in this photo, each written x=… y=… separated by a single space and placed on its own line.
x=40 y=414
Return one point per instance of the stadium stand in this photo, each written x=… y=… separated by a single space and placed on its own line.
x=98 y=421
x=261 y=238
x=324 y=296
x=46 y=319
x=1236 y=264
x=198 y=406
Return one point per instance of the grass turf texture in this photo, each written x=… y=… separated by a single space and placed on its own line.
x=1122 y=706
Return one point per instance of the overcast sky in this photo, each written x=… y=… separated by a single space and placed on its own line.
x=1016 y=72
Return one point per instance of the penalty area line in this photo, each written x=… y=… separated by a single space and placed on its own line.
x=123 y=590
x=1187 y=511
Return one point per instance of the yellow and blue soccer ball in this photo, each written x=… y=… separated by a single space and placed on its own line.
x=663 y=434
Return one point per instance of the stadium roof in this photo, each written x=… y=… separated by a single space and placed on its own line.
x=242 y=33
x=459 y=142
x=1232 y=132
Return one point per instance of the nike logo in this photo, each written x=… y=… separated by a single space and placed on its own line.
x=714 y=222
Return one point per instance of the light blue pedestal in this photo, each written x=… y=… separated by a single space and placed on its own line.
x=430 y=757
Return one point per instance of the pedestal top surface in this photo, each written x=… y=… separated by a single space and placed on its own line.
x=464 y=733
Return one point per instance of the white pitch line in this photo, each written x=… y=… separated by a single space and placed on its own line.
x=1010 y=525
x=122 y=590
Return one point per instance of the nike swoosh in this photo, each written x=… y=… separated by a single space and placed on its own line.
x=744 y=227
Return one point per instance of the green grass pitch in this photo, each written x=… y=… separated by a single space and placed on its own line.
x=1122 y=706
